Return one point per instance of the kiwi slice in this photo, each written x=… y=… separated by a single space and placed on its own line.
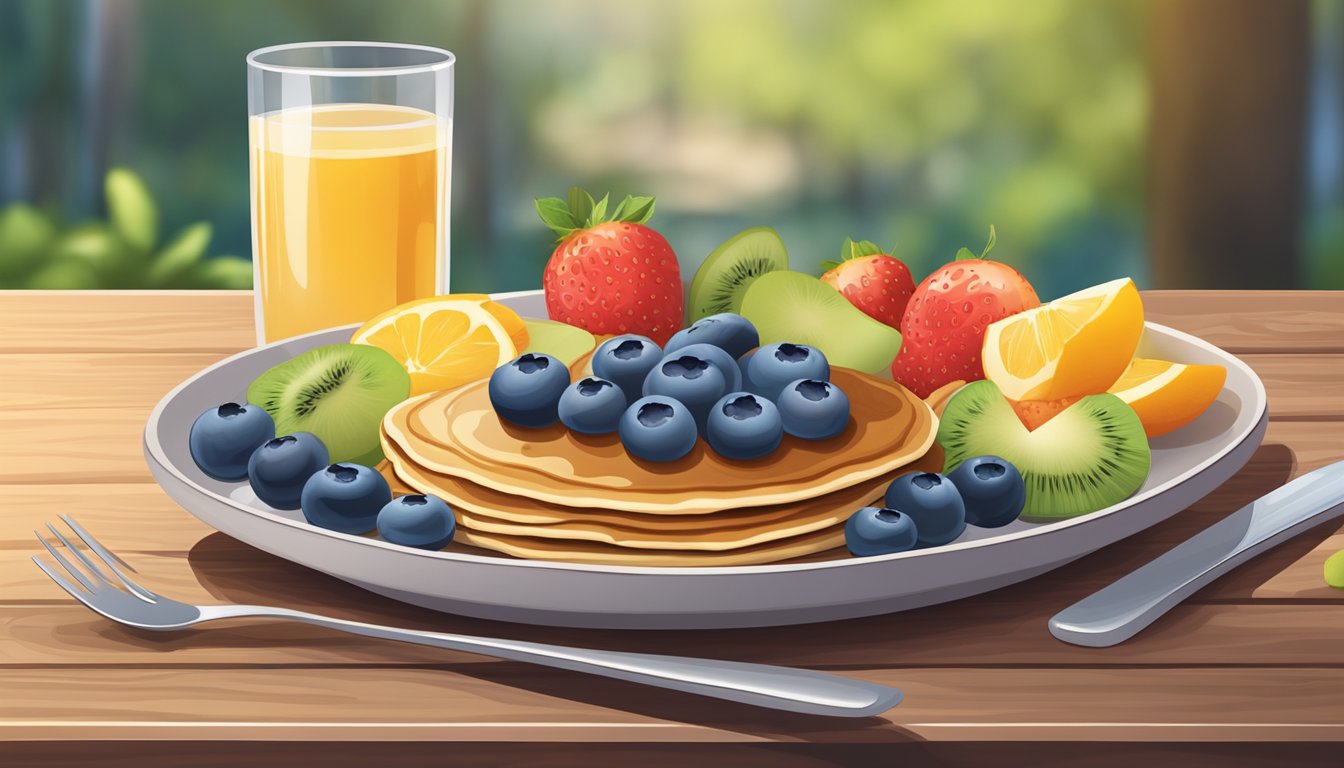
x=800 y=309
x=562 y=341
x=722 y=279
x=339 y=393
x=1092 y=455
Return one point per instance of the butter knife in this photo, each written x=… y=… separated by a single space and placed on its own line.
x=1118 y=612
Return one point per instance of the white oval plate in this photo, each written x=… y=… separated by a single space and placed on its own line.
x=1186 y=465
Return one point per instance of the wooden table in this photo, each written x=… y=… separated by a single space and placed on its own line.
x=1257 y=657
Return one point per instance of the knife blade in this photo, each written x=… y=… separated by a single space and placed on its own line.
x=1119 y=611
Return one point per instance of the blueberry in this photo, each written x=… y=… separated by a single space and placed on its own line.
x=813 y=409
x=223 y=438
x=775 y=365
x=626 y=361
x=992 y=490
x=345 y=498
x=526 y=391
x=717 y=358
x=281 y=466
x=932 y=502
x=743 y=362
x=879 y=531
x=743 y=426
x=730 y=332
x=592 y=406
x=657 y=428
x=693 y=380
x=417 y=520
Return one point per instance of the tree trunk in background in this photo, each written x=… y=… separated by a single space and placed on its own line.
x=1229 y=82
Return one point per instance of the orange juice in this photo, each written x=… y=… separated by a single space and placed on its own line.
x=349 y=213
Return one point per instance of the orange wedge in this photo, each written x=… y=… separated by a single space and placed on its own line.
x=1074 y=346
x=1167 y=395
x=446 y=341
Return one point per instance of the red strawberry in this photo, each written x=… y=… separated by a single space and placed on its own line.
x=872 y=280
x=610 y=276
x=944 y=325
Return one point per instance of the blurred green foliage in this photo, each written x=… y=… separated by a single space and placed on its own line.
x=122 y=252
x=912 y=122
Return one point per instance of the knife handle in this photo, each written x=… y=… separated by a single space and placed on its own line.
x=1118 y=612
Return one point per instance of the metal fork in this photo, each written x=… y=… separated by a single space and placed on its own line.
x=794 y=690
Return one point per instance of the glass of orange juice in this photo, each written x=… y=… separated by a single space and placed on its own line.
x=351 y=158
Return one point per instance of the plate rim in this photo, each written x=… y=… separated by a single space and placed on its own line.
x=154 y=452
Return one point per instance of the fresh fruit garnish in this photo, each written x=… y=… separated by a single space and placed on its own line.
x=694 y=380
x=774 y=365
x=1092 y=455
x=813 y=409
x=610 y=275
x=730 y=332
x=945 y=321
x=562 y=341
x=657 y=428
x=932 y=501
x=871 y=279
x=992 y=490
x=1034 y=413
x=1334 y=570
x=626 y=361
x=1167 y=395
x=418 y=520
x=339 y=392
x=717 y=357
x=526 y=390
x=722 y=279
x=280 y=466
x=592 y=406
x=879 y=531
x=743 y=427
x=1076 y=345
x=798 y=308
x=446 y=341
x=345 y=498
x=223 y=438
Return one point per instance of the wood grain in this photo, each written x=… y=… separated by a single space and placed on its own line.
x=489 y=700
x=1277 y=322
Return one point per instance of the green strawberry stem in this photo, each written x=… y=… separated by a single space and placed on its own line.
x=854 y=250
x=580 y=211
x=965 y=253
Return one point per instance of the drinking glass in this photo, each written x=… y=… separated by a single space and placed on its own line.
x=351 y=159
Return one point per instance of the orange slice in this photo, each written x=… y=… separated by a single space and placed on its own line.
x=1074 y=346
x=1167 y=395
x=446 y=341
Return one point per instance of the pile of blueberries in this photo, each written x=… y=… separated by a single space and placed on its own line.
x=712 y=380
x=235 y=442
x=924 y=509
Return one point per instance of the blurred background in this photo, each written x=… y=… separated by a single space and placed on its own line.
x=1188 y=143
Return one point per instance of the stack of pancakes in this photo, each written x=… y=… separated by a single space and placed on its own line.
x=556 y=495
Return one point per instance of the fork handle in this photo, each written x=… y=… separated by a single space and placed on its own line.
x=783 y=688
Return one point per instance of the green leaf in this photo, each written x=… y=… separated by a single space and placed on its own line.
x=846 y=251
x=65 y=275
x=989 y=244
x=620 y=208
x=25 y=237
x=555 y=213
x=178 y=256
x=131 y=209
x=223 y=272
x=964 y=253
x=638 y=209
x=580 y=207
x=828 y=265
x=599 y=212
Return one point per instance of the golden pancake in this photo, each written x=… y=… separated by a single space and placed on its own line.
x=456 y=433
x=606 y=554
x=486 y=510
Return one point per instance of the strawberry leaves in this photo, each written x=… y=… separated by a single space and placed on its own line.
x=965 y=253
x=852 y=250
x=579 y=211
